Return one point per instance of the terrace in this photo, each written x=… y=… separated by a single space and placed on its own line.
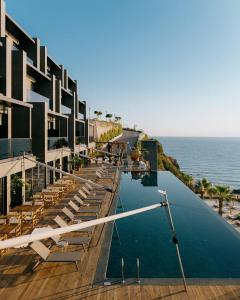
x=18 y=281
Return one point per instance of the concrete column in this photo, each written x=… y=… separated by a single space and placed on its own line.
x=62 y=75
x=19 y=75
x=30 y=123
x=9 y=114
x=54 y=173
x=72 y=124
x=6 y=66
x=39 y=130
x=53 y=92
x=36 y=53
x=2 y=19
x=43 y=59
x=61 y=165
x=87 y=132
x=58 y=95
x=8 y=193
x=23 y=188
x=66 y=79
x=68 y=159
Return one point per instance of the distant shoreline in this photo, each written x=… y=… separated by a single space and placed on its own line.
x=217 y=159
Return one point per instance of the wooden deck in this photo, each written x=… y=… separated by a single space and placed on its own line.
x=62 y=281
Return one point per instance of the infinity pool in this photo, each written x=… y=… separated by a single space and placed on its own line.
x=209 y=246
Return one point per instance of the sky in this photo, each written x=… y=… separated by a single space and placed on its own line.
x=172 y=67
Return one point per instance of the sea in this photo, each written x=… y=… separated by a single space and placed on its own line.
x=217 y=159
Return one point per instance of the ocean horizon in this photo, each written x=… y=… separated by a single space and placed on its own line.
x=214 y=158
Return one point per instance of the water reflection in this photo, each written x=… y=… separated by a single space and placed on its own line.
x=147 y=178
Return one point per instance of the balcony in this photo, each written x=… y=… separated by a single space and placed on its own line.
x=80 y=116
x=35 y=97
x=57 y=142
x=14 y=147
x=66 y=110
x=91 y=139
x=30 y=61
x=80 y=140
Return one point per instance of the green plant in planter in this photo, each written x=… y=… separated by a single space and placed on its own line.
x=16 y=190
x=60 y=143
x=76 y=162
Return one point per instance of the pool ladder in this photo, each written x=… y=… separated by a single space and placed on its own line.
x=138 y=271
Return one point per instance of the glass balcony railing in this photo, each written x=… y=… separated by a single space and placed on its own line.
x=15 y=147
x=35 y=97
x=66 y=110
x=91 y=139
x=80 y=116
x=30 y=61
x=80 y=140
x=14 y=48
x=57 y=142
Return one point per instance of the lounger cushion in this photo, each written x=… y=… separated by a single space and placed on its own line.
x=64 y=256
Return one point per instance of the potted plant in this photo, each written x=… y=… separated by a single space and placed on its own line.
x=135 y=154
x=76 y=162
x=16 y=190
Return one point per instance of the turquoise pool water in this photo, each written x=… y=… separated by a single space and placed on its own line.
x=209 y=246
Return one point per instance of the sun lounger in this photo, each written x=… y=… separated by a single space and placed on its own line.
x=62 y=257
x=77 y=219
x=83 y=241
x=85 y=190
x=85 y=197
x=85 y=203
x=94 y=210
x=61 y=223
x=101 y=176
x=91 y=188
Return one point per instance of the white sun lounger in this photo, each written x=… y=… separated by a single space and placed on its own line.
x=83 y=241
x=91 y=188
x=61 y=223
x=75 y=219
x=62 y=257
x=85 y=203
x=83 y=209
x=85 y=197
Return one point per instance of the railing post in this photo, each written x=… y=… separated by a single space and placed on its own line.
x=122 y=269
x=138 y=271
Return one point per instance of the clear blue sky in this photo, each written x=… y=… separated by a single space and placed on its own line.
x=170 y=66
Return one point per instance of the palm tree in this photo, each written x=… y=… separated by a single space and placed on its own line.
x=97 y=113
x=212 y=191
x=108 y=116
x=224 y=194
x=202 y=187
x=188 y=180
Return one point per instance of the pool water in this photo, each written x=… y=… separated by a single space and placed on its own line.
x=209 y=246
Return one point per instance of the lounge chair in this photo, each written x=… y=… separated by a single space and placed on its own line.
x=91 y=188
x=94 y=210
x=61 y=223
x=62 y=257
x=101 y=176
x=87 y=191
x=87 y=203
x=75 y=219
x=83 y=241
x=84 y=203
x=91 y=192
x=85 y=197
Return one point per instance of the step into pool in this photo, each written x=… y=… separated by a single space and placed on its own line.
x=209 y=246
